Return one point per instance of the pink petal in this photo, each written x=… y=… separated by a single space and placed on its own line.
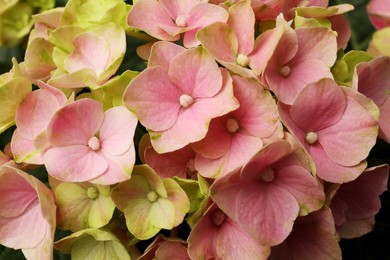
x=266 y=212
x=91 y=51
x=302 y=185
x=170 y=164
x=61 y=98
x=117 y=130
x=264 y=47
x=318 y=106
x=17 y=195
x=196 y=73
x=154 y=99
x=316 y=44
x=217 y=141
x=179 y=7
x=257 y=113
x=24 y=150
x=75 y=163
x=372 y=79
x=204 y=14
x=330 y=171
x=242 y=21
x=341 y=26
x=162 y=53
x=35 y=112
x=349 y=141
x=75 y=123
x=119 y=167
x=148 y=16
x=17 y=232
x=301 y=74
x=267 y=156
x=220 y=41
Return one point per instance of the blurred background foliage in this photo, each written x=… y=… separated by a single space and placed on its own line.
x=375 y=245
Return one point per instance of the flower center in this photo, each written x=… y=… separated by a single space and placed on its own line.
x=152 y=196
x=92 y=193
x=267 y=175
x=218 y=217
x=186 y=100
x=242 y=60
x=311 y=137
x=94 y=143
x=284 y=71
x=232 y=125
x=181 y=21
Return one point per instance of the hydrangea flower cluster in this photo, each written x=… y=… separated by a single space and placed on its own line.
x=246 y=135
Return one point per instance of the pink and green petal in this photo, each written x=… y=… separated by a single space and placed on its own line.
x=242 y=22
x=220 y=41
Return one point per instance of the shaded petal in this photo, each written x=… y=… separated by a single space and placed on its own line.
x=153 y=98
x=75 y=163
x=217 y=141
x=17 y=195
x=384 y=121
x=117 y=130
x=17 y=232
x=75 y=123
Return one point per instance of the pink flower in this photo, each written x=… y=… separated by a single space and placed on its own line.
x=301 y=56
x=177 y=103
x=269 y=193
x=27 y=214
x=355 y=204
x=89 y=144
x=167 y=19
x=233 y=43
x=236 y=137
x=29 y=141
x=336 y=125
x=373 y=80
x=217 y=236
